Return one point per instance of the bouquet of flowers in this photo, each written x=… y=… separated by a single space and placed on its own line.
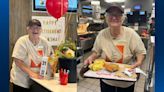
x=67 y=59
x=66 y=49
x=53 y=61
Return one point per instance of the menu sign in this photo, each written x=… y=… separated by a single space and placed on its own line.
x=52 y=29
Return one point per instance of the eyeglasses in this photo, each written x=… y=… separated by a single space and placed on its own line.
x=35 y=28
x=114 y=14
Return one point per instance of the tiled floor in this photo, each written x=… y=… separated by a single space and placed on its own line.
x=89 y=85
x=92 y=85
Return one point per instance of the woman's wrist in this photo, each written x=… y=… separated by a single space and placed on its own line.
x=136 y=65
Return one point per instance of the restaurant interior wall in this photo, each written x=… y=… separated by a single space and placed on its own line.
x=19 y=14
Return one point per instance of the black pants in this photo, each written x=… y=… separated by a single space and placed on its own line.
x=107 y=88
x=35 y=87
x=17 y=88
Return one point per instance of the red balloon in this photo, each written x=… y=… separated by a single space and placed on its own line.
x=57 y=8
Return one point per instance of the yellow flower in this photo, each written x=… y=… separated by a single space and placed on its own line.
x=70 y=53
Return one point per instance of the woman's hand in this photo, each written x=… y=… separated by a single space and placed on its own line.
x=35 y=75
x=132 y=70
x=26 y=69
x=90 y=59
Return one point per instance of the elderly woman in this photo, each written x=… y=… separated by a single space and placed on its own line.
x=27 y=54
x=118 y=44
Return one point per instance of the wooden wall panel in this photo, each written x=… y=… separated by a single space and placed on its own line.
x=71 y=26
x=20 y=14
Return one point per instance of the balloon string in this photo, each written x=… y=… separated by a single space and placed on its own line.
x=61 y=6
x=66 y=26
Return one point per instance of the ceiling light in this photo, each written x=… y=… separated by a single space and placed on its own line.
x=95 y=2
x=123 y=6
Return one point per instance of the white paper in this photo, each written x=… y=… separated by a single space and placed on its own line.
x=152 y=39
x=138 y=70
x=127 y=72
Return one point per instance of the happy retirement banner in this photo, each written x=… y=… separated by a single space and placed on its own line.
x=52 y=29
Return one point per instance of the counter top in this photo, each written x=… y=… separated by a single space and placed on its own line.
x=54 y=85
x=87 y=33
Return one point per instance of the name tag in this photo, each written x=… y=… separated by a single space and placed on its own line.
x=44 y=64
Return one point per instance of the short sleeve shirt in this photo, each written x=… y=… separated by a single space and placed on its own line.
x=30 y=55
x=120 y=50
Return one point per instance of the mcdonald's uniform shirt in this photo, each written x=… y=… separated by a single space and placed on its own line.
x=127 y=45
x=31 y=57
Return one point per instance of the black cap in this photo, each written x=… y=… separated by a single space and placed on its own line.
x=114 y=5
x=34 y=22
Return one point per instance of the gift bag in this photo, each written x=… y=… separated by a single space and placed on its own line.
x=69 y=64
